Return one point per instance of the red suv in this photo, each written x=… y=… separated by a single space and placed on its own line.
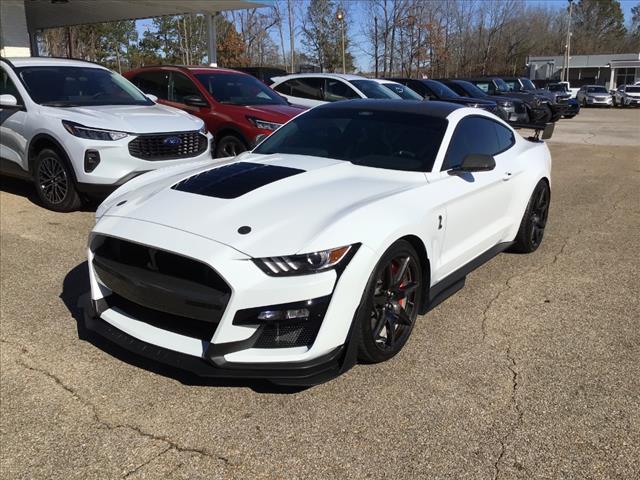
x=238 y=109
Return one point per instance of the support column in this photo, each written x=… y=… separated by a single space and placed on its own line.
x=33 y=40
x=612 y=85
x=212 y=45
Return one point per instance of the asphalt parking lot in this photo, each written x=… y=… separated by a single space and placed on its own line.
x=531 y=371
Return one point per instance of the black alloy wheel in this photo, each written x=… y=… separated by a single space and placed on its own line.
x=230 y=146
x=391 y=304
x=534 y=222
x=54 y=181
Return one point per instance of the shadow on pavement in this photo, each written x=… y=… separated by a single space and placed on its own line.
x=75 y=290
x=26 y=189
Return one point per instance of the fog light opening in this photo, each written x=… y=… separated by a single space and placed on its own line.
x=91 y=160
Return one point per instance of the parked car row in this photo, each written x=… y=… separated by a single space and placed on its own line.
x=77 y=129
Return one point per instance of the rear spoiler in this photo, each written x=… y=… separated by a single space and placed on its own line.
x=542 y=131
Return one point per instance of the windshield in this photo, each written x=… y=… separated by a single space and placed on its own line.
x=440 y=89
x=471 y=89
x=403 y=91
x=558 y=87
x=528 y=84
x=374 y=90
x=239 y=89
x=596 y=90
x=632 y=89
x=79 y=86
x=380 y=139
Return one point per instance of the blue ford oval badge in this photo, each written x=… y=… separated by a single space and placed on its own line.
x=172 y=141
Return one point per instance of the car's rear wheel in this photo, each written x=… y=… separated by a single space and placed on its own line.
x=229 y=146
x=534 y=221
x=55 y=182
x=390 y=304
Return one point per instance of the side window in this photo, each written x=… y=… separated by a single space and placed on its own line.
x=153 y=83
x=484 y=86
x=7 y=87
x=505 y=138
x=511 y=84
x=310 y=88
x=181 y=87
x=472 y=135
x=335 y=90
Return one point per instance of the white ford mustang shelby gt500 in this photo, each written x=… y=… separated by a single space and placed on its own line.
x=318 y=248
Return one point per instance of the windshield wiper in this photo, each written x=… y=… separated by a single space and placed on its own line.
x=59 y=104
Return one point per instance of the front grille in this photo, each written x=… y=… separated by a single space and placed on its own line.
x=173 y=323
x=168 y=146
x=162 y=282
x=287 y=335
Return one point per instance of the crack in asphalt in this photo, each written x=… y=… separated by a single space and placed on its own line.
x=171 y=444
x=144 y=464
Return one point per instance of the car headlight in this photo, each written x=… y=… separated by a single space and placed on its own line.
x=306 y=263
x=92 y=133
x=263 y=124
x=203 y=130
x=536 y=101
x=506 y=104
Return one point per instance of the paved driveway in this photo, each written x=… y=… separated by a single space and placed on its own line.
x=531 y=371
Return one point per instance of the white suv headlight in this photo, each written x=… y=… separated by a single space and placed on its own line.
x=306 y=263
x=203 y=130
x=81 y=131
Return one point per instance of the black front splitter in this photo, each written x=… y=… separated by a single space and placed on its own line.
x=309 y=373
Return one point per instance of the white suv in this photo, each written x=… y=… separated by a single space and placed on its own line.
x=77 y=129
x=312 y=89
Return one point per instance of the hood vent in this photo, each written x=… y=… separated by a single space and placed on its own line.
x=234 y=180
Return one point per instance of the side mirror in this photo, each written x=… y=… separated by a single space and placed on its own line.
x=477 y=162
x=9 y=101
x=153 y=98
x=195 y=101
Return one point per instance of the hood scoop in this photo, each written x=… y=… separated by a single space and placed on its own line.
x=234 y=180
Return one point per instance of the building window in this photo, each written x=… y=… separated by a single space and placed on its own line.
x=625 y=76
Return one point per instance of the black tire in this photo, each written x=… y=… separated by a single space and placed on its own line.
x=584 y=102
x=55 y=183
x=230 y=146
x=534 y=220
x=390 y=304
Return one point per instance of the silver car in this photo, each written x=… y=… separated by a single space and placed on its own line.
x=594 y=95
x=627 y=95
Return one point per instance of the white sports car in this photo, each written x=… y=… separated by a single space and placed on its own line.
x=318 y=248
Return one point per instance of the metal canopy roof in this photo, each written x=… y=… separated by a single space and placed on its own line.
x=60 y=13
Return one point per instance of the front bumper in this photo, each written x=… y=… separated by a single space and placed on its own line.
x=631 y=101
x=232 y=346
x=116 y=165
x=312 y=372
x=593 y=101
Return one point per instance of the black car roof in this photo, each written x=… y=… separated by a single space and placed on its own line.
x=431 y=108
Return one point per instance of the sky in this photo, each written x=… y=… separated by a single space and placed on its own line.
x=361 y=60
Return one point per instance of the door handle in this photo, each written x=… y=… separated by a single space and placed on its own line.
x=506 y=177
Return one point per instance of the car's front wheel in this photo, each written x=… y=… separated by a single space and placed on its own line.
x=54 y=182
x=390 y=304
x=534 y=221
x=229 y=146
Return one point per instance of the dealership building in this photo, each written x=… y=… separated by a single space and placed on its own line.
x=22 y=20
x=609 y=70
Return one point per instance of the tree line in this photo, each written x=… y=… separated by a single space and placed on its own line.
x=435 y=38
